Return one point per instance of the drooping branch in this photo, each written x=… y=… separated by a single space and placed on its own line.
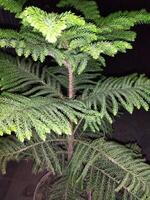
x=70 y=96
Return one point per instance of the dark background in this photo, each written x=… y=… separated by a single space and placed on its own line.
x=19 y=183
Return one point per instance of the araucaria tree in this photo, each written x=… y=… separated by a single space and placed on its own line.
x=59 y=112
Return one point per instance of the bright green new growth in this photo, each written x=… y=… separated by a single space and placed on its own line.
x=73 y=38
x=69 y=134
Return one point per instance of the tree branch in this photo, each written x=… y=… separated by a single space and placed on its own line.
x=40 y=183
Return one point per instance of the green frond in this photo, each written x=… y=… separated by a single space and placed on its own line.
x=107 y=168
x=34 y=44
x=89 y=76
x=21 y=114
x=62 y=189
x=86 y=32
x=89 y=8
x=107 y=48
x=59 y=74
x=14 y=6
x=120 y=35
x=108 y=94
x=29 y=43
x=44 y=154
x=8 y=38
x=24 y=75
x=123 y=20
x=105 y=130
x=134 y=147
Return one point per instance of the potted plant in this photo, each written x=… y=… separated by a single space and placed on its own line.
x=59 y=114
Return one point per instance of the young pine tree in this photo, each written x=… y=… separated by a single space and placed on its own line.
x=61 y=112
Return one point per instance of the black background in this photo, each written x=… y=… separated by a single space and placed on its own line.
x=19 y=184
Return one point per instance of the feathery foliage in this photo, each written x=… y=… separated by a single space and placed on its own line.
x=88 y=8
x=123 y=20
x=74 y=39
x=91 y=159
x=62 y=189
x=50 y=25
x=28 y=43
x=110 y=93
x=21 y=114
x=25 y=74
x=14 y=6
x=43 y=153
x=59 y=114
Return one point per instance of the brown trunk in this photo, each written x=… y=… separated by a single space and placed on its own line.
x=89 y=195
x=70 y=96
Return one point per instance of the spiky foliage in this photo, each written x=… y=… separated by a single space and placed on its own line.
x=109 y=93
x=24 y=74
x=14 y=6
x=61 y=111
x=74 y=38
x=88 y=8
x=20 y=115
x=90 y=161
x=62 y=189
x=42 y=153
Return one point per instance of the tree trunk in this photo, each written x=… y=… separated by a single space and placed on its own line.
x=89 y=195
x=70 y=96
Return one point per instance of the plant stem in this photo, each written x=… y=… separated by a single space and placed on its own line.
x=89 y=195
x=70 y=79
x=70 y=96
x=70 y=146
x=40 y=183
